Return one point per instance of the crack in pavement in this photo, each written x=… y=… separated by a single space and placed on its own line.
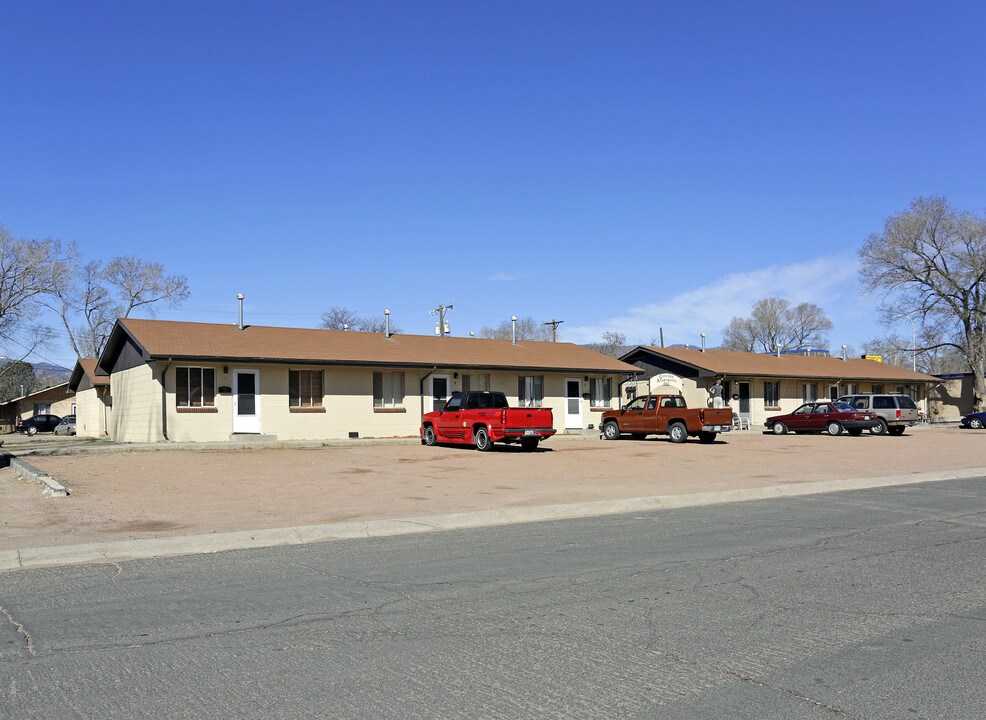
x=742 y=677
x=21 y=630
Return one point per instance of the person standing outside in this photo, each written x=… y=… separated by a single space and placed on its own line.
x=716 y=392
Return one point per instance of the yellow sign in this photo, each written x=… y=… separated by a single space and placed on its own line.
x=874 y=358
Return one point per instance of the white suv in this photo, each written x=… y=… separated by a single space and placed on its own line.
x=896 y=411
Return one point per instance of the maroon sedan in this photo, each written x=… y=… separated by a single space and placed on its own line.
x=823 y=416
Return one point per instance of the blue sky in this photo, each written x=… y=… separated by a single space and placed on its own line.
x=620 y=166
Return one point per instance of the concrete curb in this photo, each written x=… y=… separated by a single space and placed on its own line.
x=118 y=551
x=30 y=473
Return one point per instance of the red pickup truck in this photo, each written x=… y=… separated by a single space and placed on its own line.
x=483 y=418
x=665 y=415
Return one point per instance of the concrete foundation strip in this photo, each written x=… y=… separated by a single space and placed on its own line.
x=30 y=473
x=218 y=542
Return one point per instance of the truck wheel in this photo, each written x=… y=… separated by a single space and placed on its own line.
x=611 y=431
x=707 y=437
x=430 y=438
x=880 y=429
x=483 y=442
x=779 y=428
x=677 y=432
x=834 y=428
x=529 y=445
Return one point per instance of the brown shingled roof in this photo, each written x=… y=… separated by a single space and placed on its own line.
x=722 y=362
x=161 y=339
x=86 y=367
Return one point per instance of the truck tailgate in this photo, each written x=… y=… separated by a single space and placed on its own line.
x=520 y=420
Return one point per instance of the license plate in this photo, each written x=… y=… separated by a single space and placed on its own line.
x=528 y=431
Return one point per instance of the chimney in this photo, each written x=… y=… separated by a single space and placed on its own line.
x=513 y=329
x=386 y=323
x=239 y=298
x=703 y=342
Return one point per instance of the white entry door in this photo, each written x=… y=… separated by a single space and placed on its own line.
x=246 y=401
x=441 y=388
x=573 y=403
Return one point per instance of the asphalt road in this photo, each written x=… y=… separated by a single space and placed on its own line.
x=865 y=604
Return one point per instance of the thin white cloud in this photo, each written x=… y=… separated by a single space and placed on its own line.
x=828 y=282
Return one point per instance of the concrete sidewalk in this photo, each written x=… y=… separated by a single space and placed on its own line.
x=111 y=552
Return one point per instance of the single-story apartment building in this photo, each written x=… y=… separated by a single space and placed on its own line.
x=186 y=381
x=759 y=385
x=53 y=400
x=92 y=398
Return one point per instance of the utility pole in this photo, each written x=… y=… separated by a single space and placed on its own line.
x=554 y=328
x=442 y=326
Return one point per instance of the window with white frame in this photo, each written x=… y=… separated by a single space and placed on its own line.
x=304 y=388
x=600 y=392
x=877 y=388
x=852 y=389
x=478 y=383
x=530 y=390
x=809 y=392
x=771 y=393
x=388 y=389
x=195 y=387
x=42 y=408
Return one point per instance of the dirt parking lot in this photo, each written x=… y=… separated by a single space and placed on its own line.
x=145 y=494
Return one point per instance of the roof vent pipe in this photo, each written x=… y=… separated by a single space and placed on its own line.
x=239 y=298
x=386 y=323
x=513 y=329
x=778 y=346
x=844 y=349
x=703 y=342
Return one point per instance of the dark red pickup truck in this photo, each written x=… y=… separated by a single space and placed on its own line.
x=665 y=415
x=483 y=418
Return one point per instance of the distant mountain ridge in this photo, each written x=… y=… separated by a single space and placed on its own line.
x=46 y=370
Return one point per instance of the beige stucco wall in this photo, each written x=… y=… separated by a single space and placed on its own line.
x=347 y=403
x=90 y=415
x=136 y=415
x=951 y=399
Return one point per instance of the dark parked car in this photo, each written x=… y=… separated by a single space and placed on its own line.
x=976 y=420
x=826 y=416
x=38 y=423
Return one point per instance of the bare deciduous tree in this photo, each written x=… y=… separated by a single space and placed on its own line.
x=89 y=297
x=27 y=270
x=527 y=329
x=612 y=343
x=930 y=264
x=343 y=318
x=774 y=323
